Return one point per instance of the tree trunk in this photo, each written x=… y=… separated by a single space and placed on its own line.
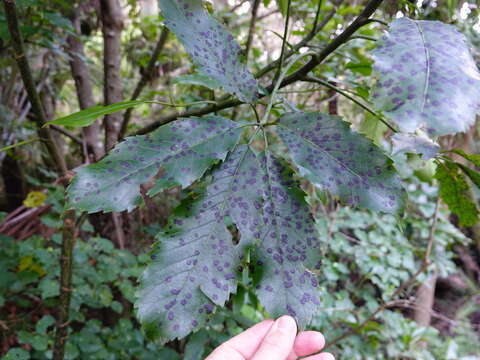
x=112 y=25
x=424 y=303
x=83 y=85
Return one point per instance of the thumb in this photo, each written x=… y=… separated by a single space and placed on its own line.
x=279 y=341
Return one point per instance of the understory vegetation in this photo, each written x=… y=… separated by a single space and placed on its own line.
x=175 y=171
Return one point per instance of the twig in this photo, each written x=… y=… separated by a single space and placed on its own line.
x=69 y=230
x=251 y=29
x=68 y=134
x=360 y=21
x=351 y=98
x=20 y=57
x=315 y=30
x=146 y=76
x=402 y=287
x=284 y=41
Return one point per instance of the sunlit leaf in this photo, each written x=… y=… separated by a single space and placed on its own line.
x=88 y=116
x=211 y=47
x=427 y=77
x=34 y=199
x=414 y=144
x=329 y=154
x=183 y=149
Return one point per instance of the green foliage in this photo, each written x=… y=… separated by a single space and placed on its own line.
x=88 y=116
x=455 y=191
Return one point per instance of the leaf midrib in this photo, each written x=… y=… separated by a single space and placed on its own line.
x=427 y=64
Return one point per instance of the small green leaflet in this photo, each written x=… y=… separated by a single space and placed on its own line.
x=184 y=149
x=427 y=77
x=194 y=262
x=88 y=116
x=329 y=154
x=211 y=47
x=455 y=192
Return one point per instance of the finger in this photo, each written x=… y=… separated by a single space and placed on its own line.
x=306 y=343
x=279 y=340
x=322 y=356
x=244 y=344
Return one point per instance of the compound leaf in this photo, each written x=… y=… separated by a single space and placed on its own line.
x=427 y=77
x=455 y=192
x=329 y=154
x=211 y=46
x=415 y=145
x=194 y=262
x=289 y=246
x=183 y=149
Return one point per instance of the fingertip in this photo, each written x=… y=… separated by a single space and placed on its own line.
x=322 y=356
x=327 y=356
x=316 y=338
x=308 y=342
x=286 y=324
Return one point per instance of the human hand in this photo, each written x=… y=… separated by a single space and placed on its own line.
x=273 y=340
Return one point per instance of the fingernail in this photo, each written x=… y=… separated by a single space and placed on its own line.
x=286 y=324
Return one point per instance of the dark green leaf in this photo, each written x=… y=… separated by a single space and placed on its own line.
x=211 y=46
x=184 y=149
x=195 y=347
x=472 y=174
x=427 y=77
x=341 y=161
x=17 y=354
x=88 y=116
x=455 y=192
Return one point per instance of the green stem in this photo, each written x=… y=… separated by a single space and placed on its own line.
x=20 y=143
